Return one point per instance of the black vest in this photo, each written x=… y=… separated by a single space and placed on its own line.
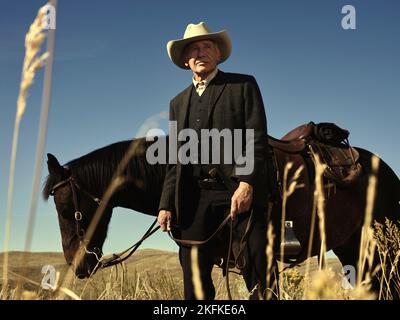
x=198 y=119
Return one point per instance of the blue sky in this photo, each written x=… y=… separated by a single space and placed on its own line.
x=112 y=73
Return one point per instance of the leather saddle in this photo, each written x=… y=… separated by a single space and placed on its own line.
x=300 y=146
x=341 y=159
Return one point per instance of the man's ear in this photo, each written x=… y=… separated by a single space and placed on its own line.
x=218 y=54
x=185 y=58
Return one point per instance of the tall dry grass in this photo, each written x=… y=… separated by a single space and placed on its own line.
x=290 y=184
x=44 y=114
x=317 y=210
x=144 y=282
x=33 y=61
x=320 y=196
x=387 y=238
x=119 y=283
x=196 y=278
x=368 y=243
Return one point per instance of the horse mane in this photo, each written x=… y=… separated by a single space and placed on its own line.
x=95 y=170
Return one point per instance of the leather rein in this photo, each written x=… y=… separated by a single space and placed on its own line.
x=114 y=258
x=243 y=241
x=117 y=258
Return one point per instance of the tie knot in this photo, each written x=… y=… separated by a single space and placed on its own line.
x=201 y=84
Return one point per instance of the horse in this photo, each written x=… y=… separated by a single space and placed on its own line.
x=78 y=185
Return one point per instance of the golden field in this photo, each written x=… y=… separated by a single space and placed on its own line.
x=150 y=274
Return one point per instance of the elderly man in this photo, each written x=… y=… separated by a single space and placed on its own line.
x=195 y=202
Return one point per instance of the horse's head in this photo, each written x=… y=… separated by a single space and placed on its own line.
x=75 y=209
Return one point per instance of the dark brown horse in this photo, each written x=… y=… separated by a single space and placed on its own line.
x=79 y=184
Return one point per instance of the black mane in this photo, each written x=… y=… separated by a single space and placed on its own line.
x=94 y=171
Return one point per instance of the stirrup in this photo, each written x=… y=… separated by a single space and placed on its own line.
x=291 y=244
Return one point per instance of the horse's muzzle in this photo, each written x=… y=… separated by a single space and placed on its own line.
x=87 y=267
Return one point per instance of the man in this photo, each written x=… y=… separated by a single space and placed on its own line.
x=192 y=198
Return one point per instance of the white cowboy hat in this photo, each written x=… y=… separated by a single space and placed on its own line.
x=195 y=32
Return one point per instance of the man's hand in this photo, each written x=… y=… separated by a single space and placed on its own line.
x=241 y=199
x=164 y=220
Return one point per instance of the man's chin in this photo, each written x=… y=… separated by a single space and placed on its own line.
x=203 y=70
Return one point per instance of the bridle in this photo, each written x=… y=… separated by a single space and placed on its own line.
x=102 y=261
x=80 y=232
x=114 y=259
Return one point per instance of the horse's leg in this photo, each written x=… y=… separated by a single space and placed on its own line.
x=348 y=252
x=255 y=263
x=386 y=205
x=386 y=258
x=348 y=255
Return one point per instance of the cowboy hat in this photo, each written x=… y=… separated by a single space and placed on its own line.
x=196 y=32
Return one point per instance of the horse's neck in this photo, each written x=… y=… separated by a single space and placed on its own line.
x=142 y=185
x=142 y=190
x=138 y=200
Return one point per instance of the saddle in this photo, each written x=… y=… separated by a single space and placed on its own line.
x=330 y=143
x=301 y=146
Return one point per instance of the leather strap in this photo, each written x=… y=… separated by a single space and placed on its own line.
x=201 y=242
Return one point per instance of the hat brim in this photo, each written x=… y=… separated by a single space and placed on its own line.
x=175 y=48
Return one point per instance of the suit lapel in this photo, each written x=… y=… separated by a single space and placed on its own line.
x=217 y=86
x=182 y=114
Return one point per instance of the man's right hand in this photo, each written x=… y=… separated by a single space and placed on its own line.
x=164 y=220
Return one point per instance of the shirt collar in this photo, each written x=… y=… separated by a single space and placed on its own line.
x=207 y=80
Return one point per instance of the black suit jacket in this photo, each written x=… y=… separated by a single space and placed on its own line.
x=235 y=103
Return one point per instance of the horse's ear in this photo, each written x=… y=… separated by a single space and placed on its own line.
x=53 y=165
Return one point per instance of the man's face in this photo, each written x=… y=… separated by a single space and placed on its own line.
x=202 y=57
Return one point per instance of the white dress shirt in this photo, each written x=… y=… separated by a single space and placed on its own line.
x=202 y=85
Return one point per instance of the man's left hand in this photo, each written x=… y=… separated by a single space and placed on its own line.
x=241 y=199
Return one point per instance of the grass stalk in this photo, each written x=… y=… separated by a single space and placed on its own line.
x=366 y=233
x=196 y=276
x=32 y=63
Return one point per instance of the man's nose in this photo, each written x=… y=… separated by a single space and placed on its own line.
x=201 y=52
